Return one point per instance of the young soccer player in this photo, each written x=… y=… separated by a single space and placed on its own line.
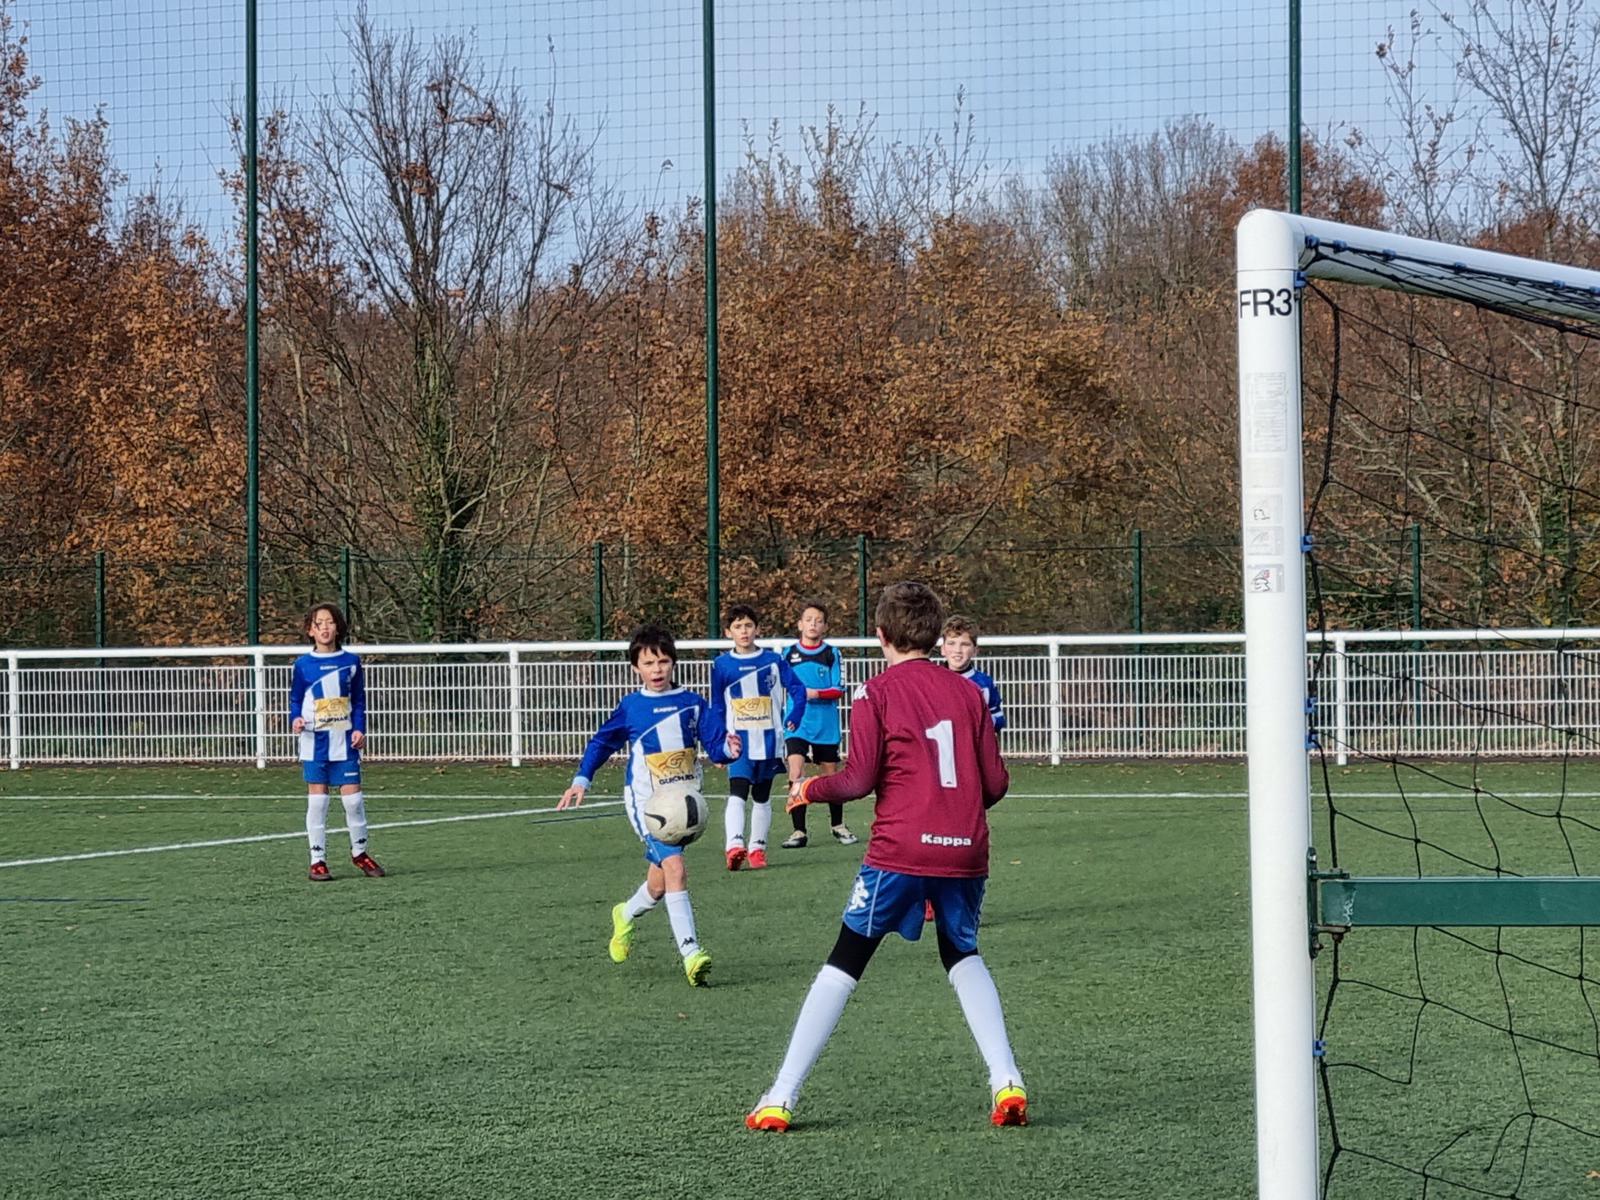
x=661 y=725
x=922 y=739
x=960 y=647
x=816 y=737
x=748 y=684
x=328 y=711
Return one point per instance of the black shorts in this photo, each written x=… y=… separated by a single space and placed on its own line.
x=812 y=752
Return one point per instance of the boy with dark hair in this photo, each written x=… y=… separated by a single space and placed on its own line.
x=923 y=740
x=748 y=684
x=328 y=716
x=816 y=737
x=660 y=725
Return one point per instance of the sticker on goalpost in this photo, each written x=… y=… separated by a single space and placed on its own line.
x=1267 y=412
x=671 y=766
x=1263 y=539
x=752 y=714
x=331 y=714
x=1263 y=577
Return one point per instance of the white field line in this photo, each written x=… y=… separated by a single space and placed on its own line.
x=533 y=812
x=298 y=833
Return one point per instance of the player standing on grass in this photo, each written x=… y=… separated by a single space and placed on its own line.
x=748 y=684
x=816 y=737
x=660 y=725
x=923 y=740
x=959 y=643
x=328 y=712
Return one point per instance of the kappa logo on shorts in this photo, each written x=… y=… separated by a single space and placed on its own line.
x=858 y=896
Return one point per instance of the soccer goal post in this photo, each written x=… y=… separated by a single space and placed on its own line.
x=1278 y=256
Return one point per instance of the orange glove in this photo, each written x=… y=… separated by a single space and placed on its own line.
x=798 y=794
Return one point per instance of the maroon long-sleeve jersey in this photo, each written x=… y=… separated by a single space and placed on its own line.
x=922 y=738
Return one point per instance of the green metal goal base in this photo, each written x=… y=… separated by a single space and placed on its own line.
x=1460 y=900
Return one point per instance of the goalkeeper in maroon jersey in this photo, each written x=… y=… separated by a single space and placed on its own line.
x=920 y=737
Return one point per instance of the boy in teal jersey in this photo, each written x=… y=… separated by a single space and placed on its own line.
x=816 y=737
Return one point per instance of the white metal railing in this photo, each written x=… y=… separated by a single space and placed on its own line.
x=1067 y=697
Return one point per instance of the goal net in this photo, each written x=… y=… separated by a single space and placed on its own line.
x=1418 y=420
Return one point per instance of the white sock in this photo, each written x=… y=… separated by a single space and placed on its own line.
x=640 y=902
x=355 y=820
x=681 y=914
x=812 y=1028
x=760 y=823
x=317 y=825
x=733 y=823
x=980 y=1004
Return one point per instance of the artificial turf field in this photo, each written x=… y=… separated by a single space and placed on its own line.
x=205 y=1022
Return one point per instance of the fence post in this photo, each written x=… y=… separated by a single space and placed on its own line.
x=515 y=669
x=1055 y=703
x=260 y=661
x=344 y=584
x=861 y=587
x=599 y=591
x=14 y=716
x=100 y=600
x=1416 y=576
x=1138 y=581
x=1341 y=701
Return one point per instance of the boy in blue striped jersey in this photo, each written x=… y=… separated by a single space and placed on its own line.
x=821 y=668
x=748 y=684
x=661 y=725
x=960 y=649
x=328 y=714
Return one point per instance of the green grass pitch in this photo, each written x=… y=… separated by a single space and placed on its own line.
x=205 y=1022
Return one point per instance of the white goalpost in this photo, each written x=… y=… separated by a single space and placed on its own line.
x=1276 y=255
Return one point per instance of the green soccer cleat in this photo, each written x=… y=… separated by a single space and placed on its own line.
x=1010 y=1106
x=696 y=967
x=621 y=943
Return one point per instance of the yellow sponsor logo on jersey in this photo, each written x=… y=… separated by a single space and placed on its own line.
x=671 y=766
x=752 y=712
x=331 y=713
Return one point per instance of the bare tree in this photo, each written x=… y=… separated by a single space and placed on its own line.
x=432 y=235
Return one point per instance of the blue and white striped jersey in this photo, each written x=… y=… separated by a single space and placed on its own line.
x=820 y=668
x=329 y=693
x=662 y=732
x=991 y=694
x=749 y=691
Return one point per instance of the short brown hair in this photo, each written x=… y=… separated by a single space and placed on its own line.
x=651 y=637
x=816 y=604
x=341 y=627
x=956 y=624
x=909 y=616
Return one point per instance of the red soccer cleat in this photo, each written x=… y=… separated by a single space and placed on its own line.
x=368 y=865
x=319 y=873
x=758 y=860
x=1010 y=1106
x=736 y=858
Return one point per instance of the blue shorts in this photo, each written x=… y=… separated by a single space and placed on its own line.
x=883 y=902
x=332 y=774
x=656 y=853
x=757 y=771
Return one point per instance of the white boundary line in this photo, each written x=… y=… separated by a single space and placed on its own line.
x=1413 y=793
x=298 y=833
x=534 y=812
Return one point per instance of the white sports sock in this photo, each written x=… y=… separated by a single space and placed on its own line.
x=355 y=820
x=760 y=823
x=980 y=1004
x=640 y=902
x=681 y=914
x=733 y=823
x=812 y=1028
x=317 y=825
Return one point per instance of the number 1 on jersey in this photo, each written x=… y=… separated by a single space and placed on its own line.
x=942 y=735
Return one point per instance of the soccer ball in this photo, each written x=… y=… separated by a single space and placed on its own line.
x=675 y=814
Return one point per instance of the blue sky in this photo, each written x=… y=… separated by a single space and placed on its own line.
x=1037 y=77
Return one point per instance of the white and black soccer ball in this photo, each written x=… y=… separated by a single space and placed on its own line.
x=675 y=813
